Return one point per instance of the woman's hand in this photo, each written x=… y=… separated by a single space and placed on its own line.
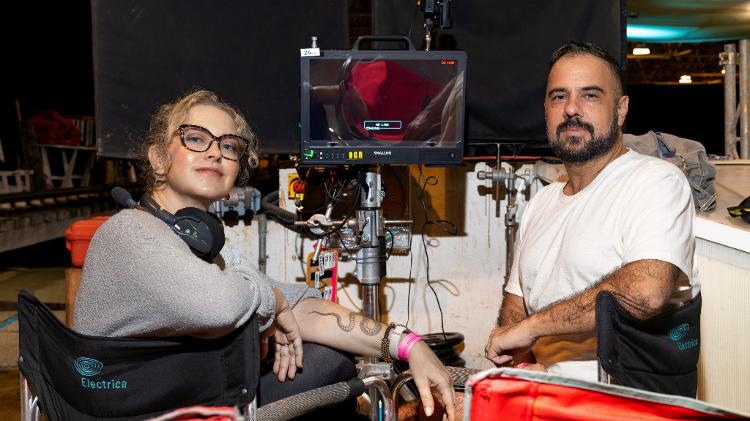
x=288 y=341
x=428 y=373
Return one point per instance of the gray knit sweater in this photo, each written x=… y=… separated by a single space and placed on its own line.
x=141 y=279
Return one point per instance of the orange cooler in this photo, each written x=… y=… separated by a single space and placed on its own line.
x=78 y=236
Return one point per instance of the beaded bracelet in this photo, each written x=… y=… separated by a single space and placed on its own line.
x=385 y=344
x=406 y=345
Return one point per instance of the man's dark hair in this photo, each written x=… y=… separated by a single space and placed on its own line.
x=576 y=48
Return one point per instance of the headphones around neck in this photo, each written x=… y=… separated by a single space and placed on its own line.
x=200 y=230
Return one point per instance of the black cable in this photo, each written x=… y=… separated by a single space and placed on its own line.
x=447 y=226
x=429 y=283
x=336 y=192
x=335 y=196
x=346 y=219
x=408 y=294
x=270 y=205
x=390 y=249
x=306 y=180
x=355 y=204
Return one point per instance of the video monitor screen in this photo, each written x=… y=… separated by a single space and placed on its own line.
x=383 y=107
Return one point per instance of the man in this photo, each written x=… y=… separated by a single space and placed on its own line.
x=623 y=223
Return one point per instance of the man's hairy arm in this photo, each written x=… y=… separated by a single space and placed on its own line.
x=513 y=310
x=642 y=287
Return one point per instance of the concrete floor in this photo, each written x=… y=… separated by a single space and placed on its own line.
x=47 y=283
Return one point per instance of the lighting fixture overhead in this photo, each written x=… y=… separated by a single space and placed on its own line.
x=723 y=71
x=641 y=50
x=686 y=79
x=656 y=32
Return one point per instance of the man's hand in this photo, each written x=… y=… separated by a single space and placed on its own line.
x=531 y=367
x=508 y=340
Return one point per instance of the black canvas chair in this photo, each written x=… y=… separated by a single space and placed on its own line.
x=70 y=376
x=659 y=354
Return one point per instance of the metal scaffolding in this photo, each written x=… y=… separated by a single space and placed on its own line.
x=734 y=62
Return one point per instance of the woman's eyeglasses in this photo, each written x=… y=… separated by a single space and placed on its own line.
x=199 y=139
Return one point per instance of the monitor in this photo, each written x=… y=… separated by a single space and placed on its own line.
x=383 y=107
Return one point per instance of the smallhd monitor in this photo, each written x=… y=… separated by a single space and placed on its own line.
x=383 y=107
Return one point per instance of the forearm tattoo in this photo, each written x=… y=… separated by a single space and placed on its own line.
x=345 y=328
x=368 y=326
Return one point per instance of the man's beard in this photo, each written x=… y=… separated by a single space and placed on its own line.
x=596 y=147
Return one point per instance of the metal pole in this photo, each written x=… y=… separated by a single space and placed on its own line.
x=370 y=261
x=498 y=176
x=744 y=69
x=497 y=184
x=389 y=405
x=510 y=223
x=262 y=234
x=730 y=100
x=24 y=397
x=369 y=256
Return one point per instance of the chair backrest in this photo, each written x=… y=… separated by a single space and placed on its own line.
x=513 y=394
x=659 y=354
x=86 y=377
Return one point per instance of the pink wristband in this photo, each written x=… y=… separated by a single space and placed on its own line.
x=406 y=345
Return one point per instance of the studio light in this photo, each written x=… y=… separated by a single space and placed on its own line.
x=641 y=50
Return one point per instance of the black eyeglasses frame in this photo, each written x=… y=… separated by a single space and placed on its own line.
x=217 y=139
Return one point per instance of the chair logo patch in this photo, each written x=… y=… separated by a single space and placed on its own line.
x=678 y=332
x=88 y=366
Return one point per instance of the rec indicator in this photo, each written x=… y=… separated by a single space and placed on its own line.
x=374 y=125
x=327 y=155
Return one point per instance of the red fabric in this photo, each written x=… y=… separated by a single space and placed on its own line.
x=392 y=92
x=523 y=400
x=201 y=413
x=51 y=127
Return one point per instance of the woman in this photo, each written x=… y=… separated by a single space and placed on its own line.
x=140 y=279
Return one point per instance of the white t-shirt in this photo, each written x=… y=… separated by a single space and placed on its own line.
x=638 y=207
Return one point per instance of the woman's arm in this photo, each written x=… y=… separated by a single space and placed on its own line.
x=336 y=326
x=331 y=324
x=140 y=279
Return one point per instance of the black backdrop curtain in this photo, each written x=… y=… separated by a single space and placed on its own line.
x=508 y=44
x=150 y=52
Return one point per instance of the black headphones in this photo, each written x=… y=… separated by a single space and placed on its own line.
x=201 y=230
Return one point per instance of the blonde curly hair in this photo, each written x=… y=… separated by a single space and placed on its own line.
x=166 y=121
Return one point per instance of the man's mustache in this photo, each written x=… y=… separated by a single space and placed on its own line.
x=574 y=123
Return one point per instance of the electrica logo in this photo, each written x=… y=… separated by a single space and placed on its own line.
x=678 y=332
x=88 y=367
